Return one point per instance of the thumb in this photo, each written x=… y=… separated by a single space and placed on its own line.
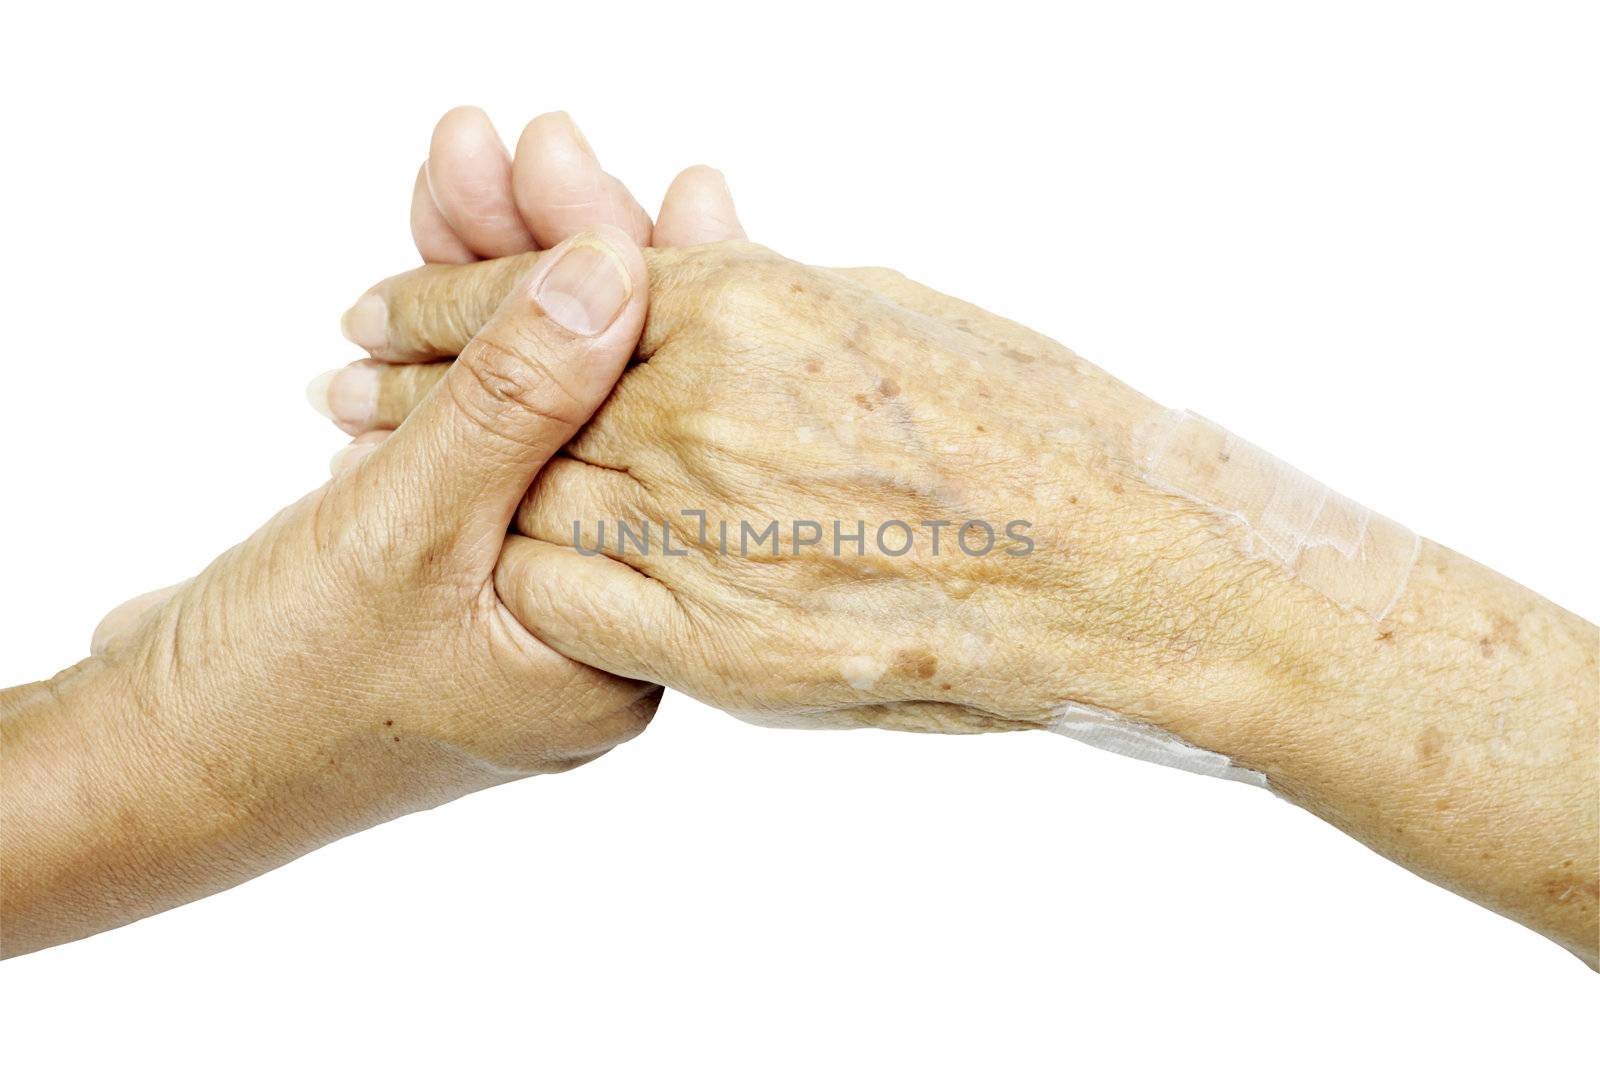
x=527 y=381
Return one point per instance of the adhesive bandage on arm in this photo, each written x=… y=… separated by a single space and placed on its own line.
x=1114 y=733
x=1354 y=557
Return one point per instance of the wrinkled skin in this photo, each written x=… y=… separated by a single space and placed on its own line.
x=773 y=390
x=1457 y=738
x=346 y=664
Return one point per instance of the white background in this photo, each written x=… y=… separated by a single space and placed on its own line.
x=1362 y=236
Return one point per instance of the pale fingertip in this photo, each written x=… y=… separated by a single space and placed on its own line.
x=353 y=396
x=561 y=189
x=469 y=178
x=348 y=396
x=366 y=323
x=697 y=209
x=435 y=240
x=564 y=120
x=317 y=392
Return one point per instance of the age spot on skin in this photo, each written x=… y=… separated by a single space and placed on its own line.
x=889 y=387
x=1430 y=748
x=1566 y=889
x=1505 y=634
x=915 y=663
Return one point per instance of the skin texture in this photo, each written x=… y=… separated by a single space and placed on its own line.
x=1457 y=736
x=348 y=663
x=553 y=188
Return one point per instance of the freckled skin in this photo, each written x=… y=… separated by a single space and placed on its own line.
x=1467 y=723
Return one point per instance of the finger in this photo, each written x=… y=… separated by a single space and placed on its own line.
x=368 y=395
x=524 y=384
x=126 y=618
x=560 y=188
x=589 y=608
x=432 y=311
x=697 y=210
x=430 y=230
x=577 y=503
x=469 y=174
x=351 y=455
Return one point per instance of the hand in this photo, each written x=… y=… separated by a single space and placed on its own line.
x=779 y=392
x=349 y=662
x=473 y=199
x=1458 y=737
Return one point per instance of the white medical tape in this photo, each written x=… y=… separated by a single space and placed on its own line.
x=1126 y=737
x=1354 y=557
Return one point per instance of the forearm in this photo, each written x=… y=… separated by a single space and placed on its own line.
x=1183 y=580
x=1458 y=736
x=116 y=804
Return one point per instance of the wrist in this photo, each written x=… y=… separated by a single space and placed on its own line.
x=128 y=792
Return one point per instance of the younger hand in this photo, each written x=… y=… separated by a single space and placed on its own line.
x=349 y=662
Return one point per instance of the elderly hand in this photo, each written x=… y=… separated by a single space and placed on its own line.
x=348 y=663
x=1444 y=735
x=776 y=392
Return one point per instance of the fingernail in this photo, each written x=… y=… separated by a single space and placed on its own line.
x=317 y=392
x=348 y=396
x=586 y=289
x=367 y=322
x=577 y=135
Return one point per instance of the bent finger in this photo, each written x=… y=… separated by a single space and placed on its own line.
x=432 y=311
x=577 y=503
x=560 y=188
x=520 y=389
x=469 y=175
x=593 y=609
x=697 y=210
x=369 y=395
x=430 y=230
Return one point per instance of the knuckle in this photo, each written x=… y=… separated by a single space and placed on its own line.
x=513 y=394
